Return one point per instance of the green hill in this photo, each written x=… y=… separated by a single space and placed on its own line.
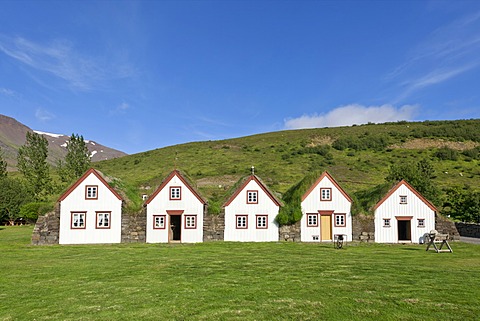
x=358 y=157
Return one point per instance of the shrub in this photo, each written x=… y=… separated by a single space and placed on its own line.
x=31 y=211
x=446 y=153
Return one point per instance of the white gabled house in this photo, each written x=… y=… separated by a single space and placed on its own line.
x=403 y=215
x=175 y=212
x=90 y=212
x=250 y=213
x=326 y=210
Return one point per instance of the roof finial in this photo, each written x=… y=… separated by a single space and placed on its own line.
x=253 y=170
x=175 y=162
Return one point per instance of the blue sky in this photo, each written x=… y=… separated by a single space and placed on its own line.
x=140 y=75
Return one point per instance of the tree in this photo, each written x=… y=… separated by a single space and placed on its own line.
x=419 y=175
x=13 y=194
x=462 y=204
x=32 y=163
x=3 y=165
x=77 y=160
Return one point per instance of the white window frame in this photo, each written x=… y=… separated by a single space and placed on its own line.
x=190 y=222
x=325 y=194
x=312 y=220
x=387 y=222
x=342 y=218
x=175 y=193
x=76 y=218
x=252 y=197
x=91 y=192
x=421 y=222
x=262 y=221
x=403 y=199
x=159 y=222
x=100 y=220
x=241 y=222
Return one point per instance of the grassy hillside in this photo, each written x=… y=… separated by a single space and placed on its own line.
x=358 y=157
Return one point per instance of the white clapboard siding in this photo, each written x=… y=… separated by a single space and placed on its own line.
x=417 y=207
x=311 y=204
x=74 y=201
x=159 y=203
x=237 y=205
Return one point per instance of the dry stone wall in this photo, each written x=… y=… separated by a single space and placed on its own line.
x=213 y=227
x=47 y=228
x=363 y=228
x=444 y=225
x=134 y=227
x=290 y=233
x=468 y=230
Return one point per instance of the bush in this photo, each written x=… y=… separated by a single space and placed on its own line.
x=31 y=211
x=446 y=153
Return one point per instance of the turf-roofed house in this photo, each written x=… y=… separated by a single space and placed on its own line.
x=250 y=212
x=90 y=212
x=403 y=215
x=175 y=212
x=326 y=210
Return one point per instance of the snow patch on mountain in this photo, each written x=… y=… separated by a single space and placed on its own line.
x=48 y=134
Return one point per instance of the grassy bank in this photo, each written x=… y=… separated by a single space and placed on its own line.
x=223 y=281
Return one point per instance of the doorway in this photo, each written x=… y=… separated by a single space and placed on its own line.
x=326 y=227
x=175 y=234
x=404 y=230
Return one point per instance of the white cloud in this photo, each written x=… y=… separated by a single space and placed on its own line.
x=448 y=52
x=59 y=58
x=43 y=115
x=120 y=109
x=352 y=114
x=7 y=92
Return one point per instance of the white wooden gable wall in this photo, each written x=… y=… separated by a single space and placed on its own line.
x=76 y=202
x=239 y=206
x=391 y=209
x=312 y=204
x=161 y=203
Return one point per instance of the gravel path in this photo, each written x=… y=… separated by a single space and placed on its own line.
x=470 y=240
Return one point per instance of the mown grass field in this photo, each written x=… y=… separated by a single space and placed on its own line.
x=234 y=281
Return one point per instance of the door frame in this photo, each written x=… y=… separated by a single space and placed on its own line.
x=330 y=215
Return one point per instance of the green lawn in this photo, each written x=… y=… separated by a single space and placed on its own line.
x=224 y=281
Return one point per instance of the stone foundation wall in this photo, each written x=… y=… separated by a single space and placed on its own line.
x=445 y=226
x=363 y=228
x=47 y=228
x=213 y=227
x=290 y=233
x=468 y=230
x=134 y=227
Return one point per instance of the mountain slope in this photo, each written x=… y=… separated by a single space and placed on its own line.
x=358 y=157
x=12 y=136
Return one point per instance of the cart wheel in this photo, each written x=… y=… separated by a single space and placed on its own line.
x=339 y=243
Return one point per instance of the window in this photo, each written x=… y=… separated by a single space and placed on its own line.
x=78 y=220
x=421 y=222
x=191 y=221
x=242 y=222
x=315 y=237
x=312 y=220
x=325 y=194
x=252 y=197
x=91 y=192
x=340 y=219
x=175 y=193
x=403 y=199
x=159 y=222
x=103 y=219
x=262 y=221
x=386 y=222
